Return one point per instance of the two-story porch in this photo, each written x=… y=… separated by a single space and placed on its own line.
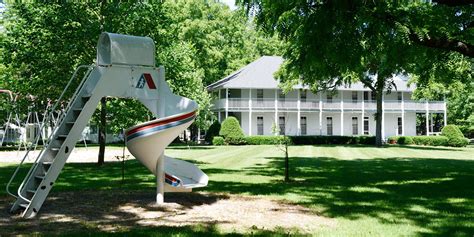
x=252 y=95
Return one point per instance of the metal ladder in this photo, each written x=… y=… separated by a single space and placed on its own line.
x=48 y=164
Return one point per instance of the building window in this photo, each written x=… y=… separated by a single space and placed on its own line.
x=281 y=124
x=399 y=95
x=366 y=96
x=354 y=96
x=372 y=96
x=281 y=95
x=400 y=126
x=329 y=126
x=303 y=125
x=222 y=93
x=259 y=94
x=259 y=125
x=329 y=98
x=355 y=126
x=303 y=95
x=366 y=125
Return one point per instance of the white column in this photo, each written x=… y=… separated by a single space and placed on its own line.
x=363 y=115
x=431 y=123
x=160 y=179
x=383 y=114
x=445 y=115
x=250 y=112
x=403 y=115
x=427 y=121
x=276 y=107
x=219 y=110
x=298 y=116
x=320 y=113
x=342 y=113
x=226 y=102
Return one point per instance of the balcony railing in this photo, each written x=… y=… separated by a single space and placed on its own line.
x=292 y=104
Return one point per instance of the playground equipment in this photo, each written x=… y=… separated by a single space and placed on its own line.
x=125 y=68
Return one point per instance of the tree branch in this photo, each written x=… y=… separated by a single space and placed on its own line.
x=367 y=83
x=459 y=46
x=464 y=48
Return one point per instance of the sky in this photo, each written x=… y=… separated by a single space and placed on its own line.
x=231 y=3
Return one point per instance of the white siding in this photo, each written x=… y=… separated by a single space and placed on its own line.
x=312 y=117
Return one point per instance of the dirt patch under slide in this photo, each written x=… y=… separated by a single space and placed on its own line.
x=116 y=211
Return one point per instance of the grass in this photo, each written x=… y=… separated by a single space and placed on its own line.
x=391 y=191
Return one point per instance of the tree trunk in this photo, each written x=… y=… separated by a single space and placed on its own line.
x=287 y=164
x=193 y=132
x=378 y=115
x=102 y=130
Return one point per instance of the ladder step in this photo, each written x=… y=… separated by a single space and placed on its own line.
x=70 y=123
x=86 y=97
x=39 y=176
x=31 y=191
x=46 y=165
x=55 y=149
x=24 y=205
x=62 y=137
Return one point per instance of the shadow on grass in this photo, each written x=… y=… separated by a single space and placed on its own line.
x=186 y=147
x=429 y=148
x=435 y=194
x=119 y=213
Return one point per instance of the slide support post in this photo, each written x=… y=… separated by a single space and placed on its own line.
x=160 y=179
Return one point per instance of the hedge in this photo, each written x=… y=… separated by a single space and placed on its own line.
x=263 y=140
x=308 y=140
x=218 y=141
x=338 y=140
x=420 y=140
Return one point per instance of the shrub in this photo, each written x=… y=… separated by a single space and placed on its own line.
x=451 y=131
x=313 y=140
x=392 y=140
x=405 y=140
x=264 y=140
x=218 y=141
x=430 y=140
x=458 y=141
x=212 y=131
x=454 y=135
x=420 y=140
x=235 y=141
x=230 y=128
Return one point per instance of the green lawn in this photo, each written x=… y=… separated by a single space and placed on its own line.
x=391 y=191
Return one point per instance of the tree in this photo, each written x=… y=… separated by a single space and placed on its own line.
x=331 y=43
x=43 y=43
x=283 y=143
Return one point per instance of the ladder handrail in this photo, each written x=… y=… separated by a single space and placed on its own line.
x=68 y=107
x=89 y=67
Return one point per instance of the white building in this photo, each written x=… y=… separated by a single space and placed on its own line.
x=251 y=94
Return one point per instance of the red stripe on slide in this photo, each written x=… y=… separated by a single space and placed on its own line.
x=170 y=177
x=184 y=116
x=149 y=81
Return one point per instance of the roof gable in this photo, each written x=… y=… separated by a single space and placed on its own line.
x=257 y=74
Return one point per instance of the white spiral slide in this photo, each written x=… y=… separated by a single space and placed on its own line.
x=147 y=142
x=125 y=68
